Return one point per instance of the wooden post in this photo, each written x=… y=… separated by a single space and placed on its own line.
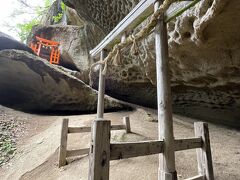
x=126 y=121
x=165 y=123
x=204 y=155
x=63 y=143
x=101 y=89
x=99 y=158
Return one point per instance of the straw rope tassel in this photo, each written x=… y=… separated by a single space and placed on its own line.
x=134 y=49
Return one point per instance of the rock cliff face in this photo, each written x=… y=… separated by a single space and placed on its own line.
x=204 y=58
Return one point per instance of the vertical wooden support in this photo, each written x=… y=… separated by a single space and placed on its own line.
x=126 y=121
x=165 y=123
x=39 y=49
x=204 y=155
x=63 y=143
x=101 y=89
x=99 y=158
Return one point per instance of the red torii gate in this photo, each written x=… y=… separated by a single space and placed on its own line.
x=47 y=45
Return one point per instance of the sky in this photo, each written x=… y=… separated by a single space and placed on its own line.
x=8 y=8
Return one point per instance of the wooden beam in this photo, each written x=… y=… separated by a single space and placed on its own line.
x=78 y=152
x=135 y=149
x=198 y=177
x=88 y=129
x=100 y=150
x=126 y=121
x=189 y=143
x=167 y=169
x=79 y=129
x=204 y=155
x=118 y=127
x=178 y=8
x=141 y=12
x=63 y=143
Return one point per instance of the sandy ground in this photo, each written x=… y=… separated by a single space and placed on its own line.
x=37 y=149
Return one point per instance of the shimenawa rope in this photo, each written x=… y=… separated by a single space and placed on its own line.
x=115 y=54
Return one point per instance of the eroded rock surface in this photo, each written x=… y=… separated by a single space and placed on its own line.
x=30 y=83
x=204 y=58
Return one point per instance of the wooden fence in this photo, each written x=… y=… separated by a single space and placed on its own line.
x=64 y=153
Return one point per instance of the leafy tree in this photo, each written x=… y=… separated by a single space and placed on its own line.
x=36 y=12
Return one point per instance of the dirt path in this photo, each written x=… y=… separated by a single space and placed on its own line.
x=36 y=156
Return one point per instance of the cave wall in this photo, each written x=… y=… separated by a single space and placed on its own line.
x=204 y=58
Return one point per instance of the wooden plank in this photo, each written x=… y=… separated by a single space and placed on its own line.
x=79 y=129
x=198 y=177
x=78 y=152
x=88 y=129
x=101 y=89
x=167 y=169
x=118 y=127
x=204 y=155
x=126 y=121
x=189 y=143
x=135 y=149
x=142 y=10
x=63 y=143
x=100 y=150
x=176 y=9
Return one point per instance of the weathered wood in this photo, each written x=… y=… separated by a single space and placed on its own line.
x=63 y=143
x=79 y=129
x=126 y=121
x=117 y=127
x=88 y=129
x=204 y=155
x=100 y=150
x=165 y=123
x=178 y=8
x=189 y=143
x=78 y=152
x=143 y=9
x=198 y=177
x=135 y=149
x=138 y=14
x=101 y=89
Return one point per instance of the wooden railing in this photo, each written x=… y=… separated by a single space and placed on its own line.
x=64 y=153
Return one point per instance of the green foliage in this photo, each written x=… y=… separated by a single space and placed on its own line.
x=57 y=18
x=36 y=12
x=63 y=6
x=24 y=29
x=47 y=3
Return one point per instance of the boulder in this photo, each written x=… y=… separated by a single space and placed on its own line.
x=75 y=42
x=7 y=42
x=29 y=83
